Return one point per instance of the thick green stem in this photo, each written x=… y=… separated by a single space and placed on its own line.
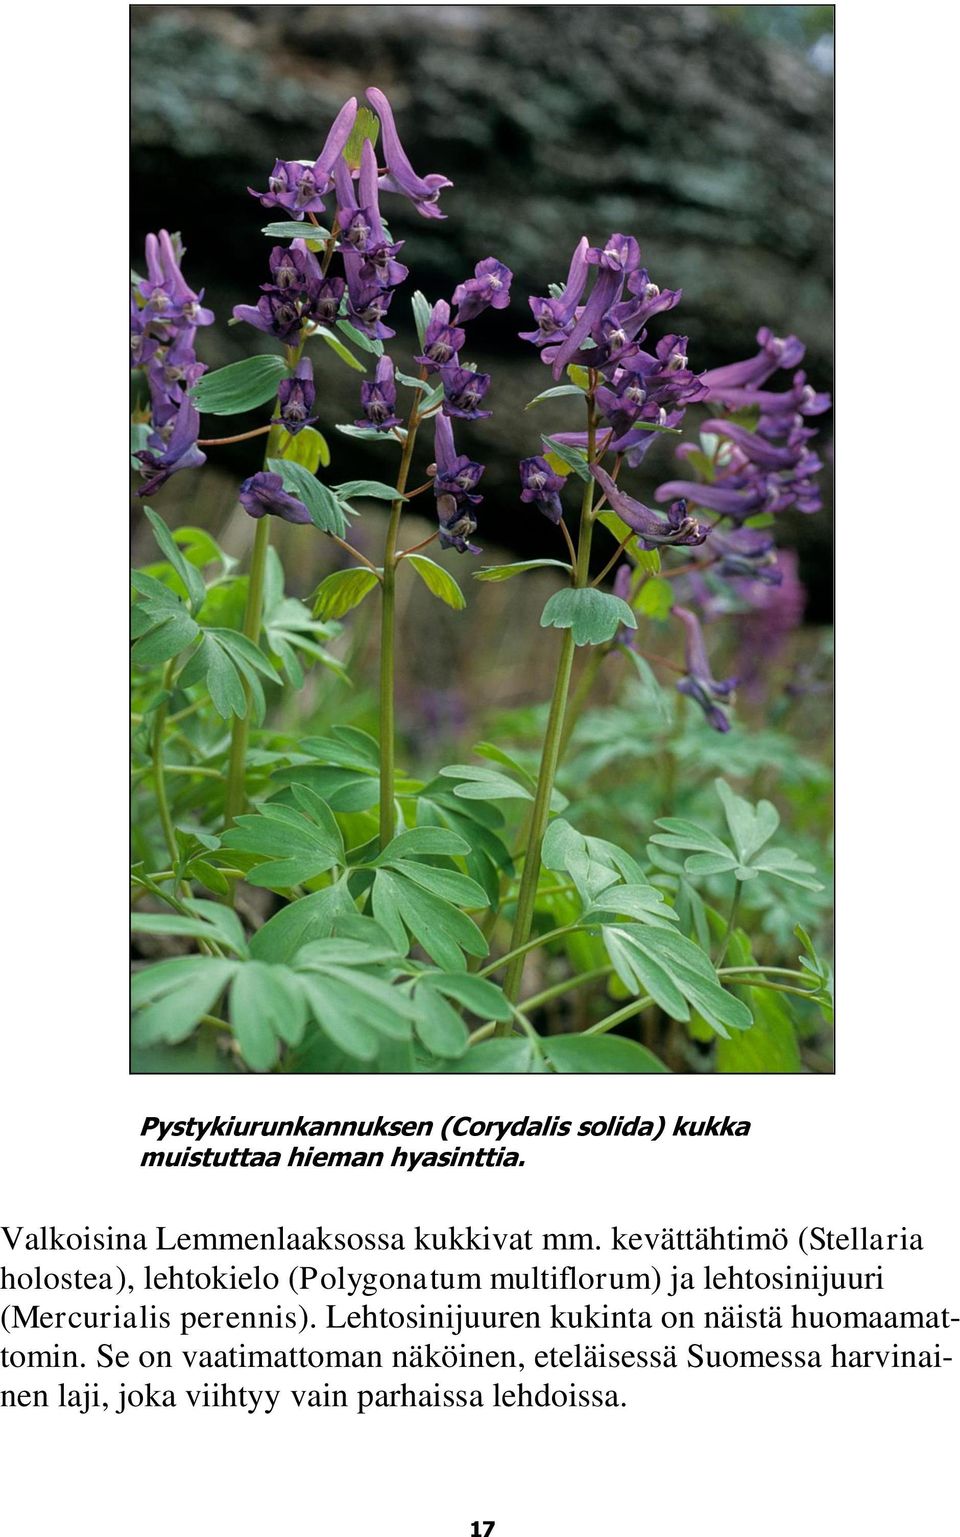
x=388 y=613
x=160 y=784
x=550 y=757
x=236 y=787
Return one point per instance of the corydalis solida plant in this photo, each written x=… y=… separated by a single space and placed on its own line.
x=404 y=894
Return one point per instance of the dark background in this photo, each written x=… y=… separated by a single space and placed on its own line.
x=706 y=131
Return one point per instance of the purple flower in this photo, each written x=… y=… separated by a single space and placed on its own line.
x=323 y=300
x=605 y=293
x=542 y=486
x=775 y=352
x=455 y=478
x=555 y=316
x=169 y=298
x=362 y=232
x=423 y=191
x=180 y=453
x=379 y=398
x=294 y=269
x=490 y=285
x=441 y=341
x=677 y=527
x=746 y=554
x=277 y=313
x=295 y=398
x=263 y=493
x=463 y=391
x=299 y=185
x=775 y=610
x=620 y=254
x=699 y=684
x=737 y=501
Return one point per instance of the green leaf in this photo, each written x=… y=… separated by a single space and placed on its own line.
x=679 y=833
x=504 y=573
x=439 y=1026
x=449 y=884
x=309 y=918
x=439 y=581
x=579 y=375
x=175 y=994
x=786 y=865
x=558 y=390
x=341 y=591
x=260 y=1010
x=193 y=582
x=360 y=339
x=372 y=434
x=297 y=845
x=165 y=638
x=377 y=489
x=416 y=841
x=291 y=229
x=569 y=458
x=307 y=447
x=421 y=315
x=593 y=617
x=655 y=598
x=224 y=661
x=239 y=386
x=483 y=784
x=513 y=1056
x=481 y=997
x=336 y=345
x=599 y=1054
x=366 y=125
x=323 y=507
x=676 y=973
x=750 y=826
x=401 y=903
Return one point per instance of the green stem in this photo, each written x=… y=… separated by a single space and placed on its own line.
x=612 y=1020
x=388 y=615
x=566 y=986
x=731 y=925
x=550 y=757
x=159 y=779
x=582 y=692
x=527 y=946
x=236 y=771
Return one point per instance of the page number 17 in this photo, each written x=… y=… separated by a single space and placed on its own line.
x=482 y=1529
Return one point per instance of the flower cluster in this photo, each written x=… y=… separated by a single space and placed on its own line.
x=754 y=461
x=164 y=315
x=769 y=466
x=298 y=296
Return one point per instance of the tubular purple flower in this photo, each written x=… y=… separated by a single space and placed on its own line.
x=677 y=527
x=463 y=390
x=554 y=316
x=379 y=398
x=699 y=684
x=441 y=340
x=332 y=152
x=181 y=452
x=276 y=313
x=542 y=486
x=756 y=448
x=295 y=398
x=733 y=501
x=423 y=191
x=620 y=254
x=605 y=292
x=263 y=494
x=455 y=478
x=775 y=352
x=490 y=285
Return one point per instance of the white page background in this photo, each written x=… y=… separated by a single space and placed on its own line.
x=745 y=1452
